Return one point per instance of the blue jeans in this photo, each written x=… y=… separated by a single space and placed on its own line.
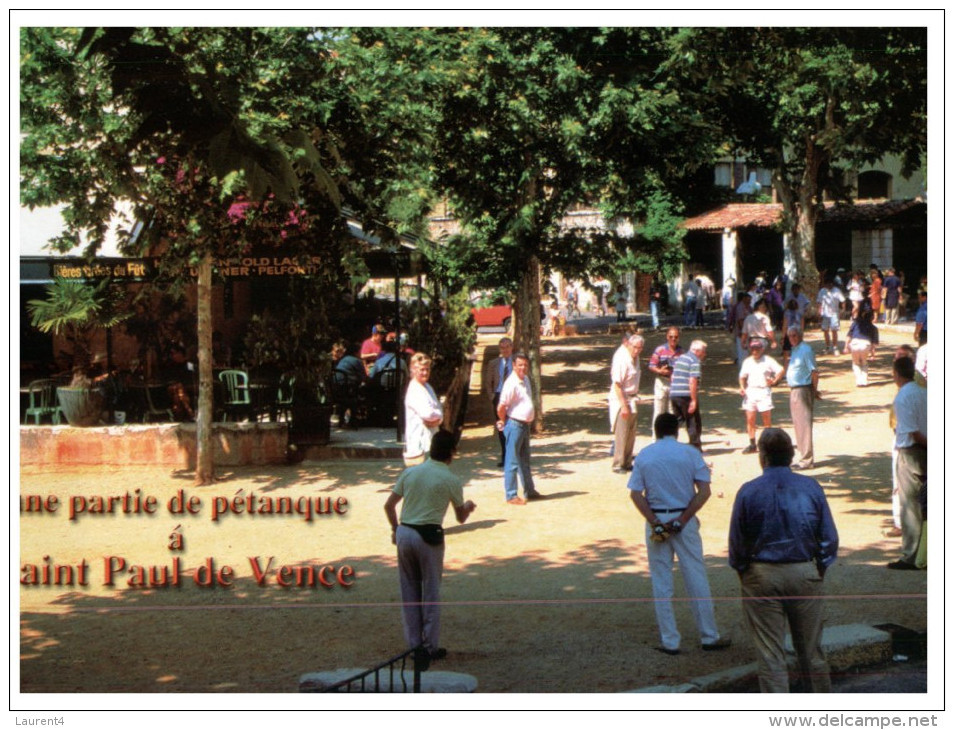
x=654 y=311
x=517 y=458
x=689 y=314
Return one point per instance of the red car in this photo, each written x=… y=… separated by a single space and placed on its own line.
x=496 y=316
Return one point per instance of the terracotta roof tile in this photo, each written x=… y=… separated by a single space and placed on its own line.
x=766 y=215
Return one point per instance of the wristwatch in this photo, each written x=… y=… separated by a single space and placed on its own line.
x=676 y=526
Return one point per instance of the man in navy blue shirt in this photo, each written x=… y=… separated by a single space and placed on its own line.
x=782 y=538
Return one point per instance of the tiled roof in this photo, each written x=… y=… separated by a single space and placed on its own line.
x=767 y=215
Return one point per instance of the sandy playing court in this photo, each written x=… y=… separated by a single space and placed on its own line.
x=550 y=597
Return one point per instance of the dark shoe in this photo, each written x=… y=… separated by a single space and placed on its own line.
x=893 y=532
x=718 y=645
x=670 y=652
x=750 y=449
x=438 y=654
x=500 y=464
x=902 y=565
x=534 y=495
x=516 y=501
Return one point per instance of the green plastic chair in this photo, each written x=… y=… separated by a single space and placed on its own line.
x=286 y=390
x=238 y=401
x=43 y=402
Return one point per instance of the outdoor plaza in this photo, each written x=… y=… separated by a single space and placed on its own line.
x=553 y=596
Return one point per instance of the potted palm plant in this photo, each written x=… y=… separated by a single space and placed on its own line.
x=76 y=310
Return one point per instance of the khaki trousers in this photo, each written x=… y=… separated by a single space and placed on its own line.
x=801 y=403
x=774 y=594
x=911 y=473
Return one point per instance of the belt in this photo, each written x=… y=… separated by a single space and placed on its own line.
x=915 y=447
x=807 y=385
x=670 y=511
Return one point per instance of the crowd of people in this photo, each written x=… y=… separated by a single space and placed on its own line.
x=782 y=536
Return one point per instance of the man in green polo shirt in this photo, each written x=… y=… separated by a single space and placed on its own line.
x=427 y=489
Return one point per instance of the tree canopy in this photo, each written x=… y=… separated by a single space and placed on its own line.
x=810 y=104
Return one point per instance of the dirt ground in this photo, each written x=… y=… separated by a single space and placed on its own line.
x=550 y=597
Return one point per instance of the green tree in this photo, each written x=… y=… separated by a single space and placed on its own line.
x=810 y=104
x=176 y=123
x=518 y=144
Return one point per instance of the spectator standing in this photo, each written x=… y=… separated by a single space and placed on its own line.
x=515 y=414
x=860 y=343
x=742 y=309
x=800 y=299
x=782 y=539
x=921 y=319
x=758 y=376
x=892 y=297
x=684 y=390
x=802 y=376
x=423 y=414
x=497 y=373
x=691 y=293
x=830 y=300
x=621 y=296
x=623 y=394
x=910 y=439
x=655 y=302
x=875 y=290
x=661 y=364
x=668 y=486
x=426 y=490
x=702 y=303
x=758 y=325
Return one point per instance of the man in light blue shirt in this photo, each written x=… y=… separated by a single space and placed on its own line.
x=669 y=484
x=802 y=376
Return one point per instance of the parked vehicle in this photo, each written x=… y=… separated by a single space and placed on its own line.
x=499 y=315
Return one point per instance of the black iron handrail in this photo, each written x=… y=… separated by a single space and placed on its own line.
x=421 y=661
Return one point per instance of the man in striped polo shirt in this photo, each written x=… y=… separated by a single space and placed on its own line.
x=684 y=390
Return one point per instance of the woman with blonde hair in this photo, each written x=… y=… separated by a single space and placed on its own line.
x=422 y=411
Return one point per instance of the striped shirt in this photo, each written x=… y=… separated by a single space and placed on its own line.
x=686 y=366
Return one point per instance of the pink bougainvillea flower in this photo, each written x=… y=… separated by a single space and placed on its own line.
x=237 y=210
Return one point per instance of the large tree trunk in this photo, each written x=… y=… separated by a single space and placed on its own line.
x=801 y=215
x=204 y=468
x=526 y=330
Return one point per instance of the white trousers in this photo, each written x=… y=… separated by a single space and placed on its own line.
x=687 y=547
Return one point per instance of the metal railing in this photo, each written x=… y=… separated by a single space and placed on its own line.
x=389 y=676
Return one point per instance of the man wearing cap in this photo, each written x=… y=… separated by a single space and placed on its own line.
x=371 y=347
x=759 y=373
x=782 y=539
x=623 y=394
x=668 y=486
x=802 y=377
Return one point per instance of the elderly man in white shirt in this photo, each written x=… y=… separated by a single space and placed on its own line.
x=515 y=414
x=624 y=386
x=910 y=440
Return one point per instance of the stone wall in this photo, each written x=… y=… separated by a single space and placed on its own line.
x=161 y=444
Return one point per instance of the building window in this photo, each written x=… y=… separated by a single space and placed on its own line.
x=723 y=174
x=872 y=247
x=874 y=184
